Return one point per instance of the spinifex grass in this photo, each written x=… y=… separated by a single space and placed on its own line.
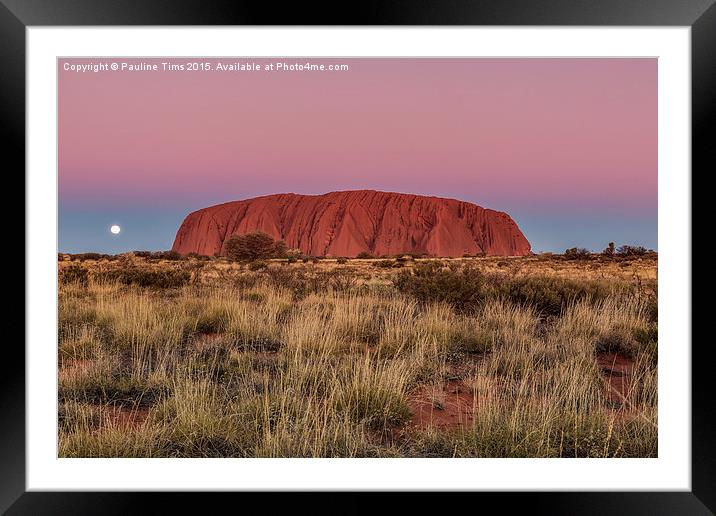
x=237 y=363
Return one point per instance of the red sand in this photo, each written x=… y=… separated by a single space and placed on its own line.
x=128 y=417
x=450 y=406
x=617 y=371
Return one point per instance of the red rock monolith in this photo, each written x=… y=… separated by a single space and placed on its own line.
x=347 y=223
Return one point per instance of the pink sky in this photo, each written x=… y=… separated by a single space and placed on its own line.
x=502 y=133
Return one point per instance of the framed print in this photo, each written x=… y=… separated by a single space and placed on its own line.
x=422 y=250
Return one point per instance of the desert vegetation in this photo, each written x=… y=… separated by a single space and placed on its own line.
x=255 y=356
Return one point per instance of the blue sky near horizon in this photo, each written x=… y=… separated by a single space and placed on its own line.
x=85 y=227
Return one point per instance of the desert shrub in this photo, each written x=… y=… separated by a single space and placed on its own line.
x=290 y=279
x=415 y=255
x=112 y=388
x=576 y=253
x=301 y=284
x=364 y=255
x=164 y=278
x=245 y=281
x=548 y=295
x=619 y=340
x=385 y=264
x=142 y=254
x=74 y=274
x=258 y=265
x=90 y=256
x=198 y=256
x=475 y=341
x=342 y=260
x=609 y=250
x=342 y=280
x=320 y=281
x=280 y=249
x=166 y=255
x=254 y=246
x=630 y=250
x=463 y=288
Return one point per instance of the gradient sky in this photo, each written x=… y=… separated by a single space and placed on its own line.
x=567 y=147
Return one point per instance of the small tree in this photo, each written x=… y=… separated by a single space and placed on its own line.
x=253 y=246
x=609 y=251
x=280 y=249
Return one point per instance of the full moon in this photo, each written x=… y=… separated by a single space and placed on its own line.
x=115 y=229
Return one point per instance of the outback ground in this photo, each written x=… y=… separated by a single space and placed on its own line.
x=539 y=356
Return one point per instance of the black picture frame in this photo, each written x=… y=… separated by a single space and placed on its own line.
x=700 y=15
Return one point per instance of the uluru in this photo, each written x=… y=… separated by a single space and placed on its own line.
x=350 y=222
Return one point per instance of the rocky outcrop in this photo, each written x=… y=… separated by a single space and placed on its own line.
x=347 y=223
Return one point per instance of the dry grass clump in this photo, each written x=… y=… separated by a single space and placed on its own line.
x=327 y=360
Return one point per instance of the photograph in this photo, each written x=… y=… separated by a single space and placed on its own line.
x=358 y=257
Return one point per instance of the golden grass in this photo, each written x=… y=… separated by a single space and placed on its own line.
x=234 y=364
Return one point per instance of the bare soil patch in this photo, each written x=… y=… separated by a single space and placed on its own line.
x=126 y=416
x=447 y=406
x=617 y=371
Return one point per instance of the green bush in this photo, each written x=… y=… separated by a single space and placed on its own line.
x=254 y=246
x=548 y=295
x=166 y=278
x=280 y=249
x=364 y=255
x=463 y=288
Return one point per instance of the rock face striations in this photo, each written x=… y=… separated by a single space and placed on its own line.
x=347 y=223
